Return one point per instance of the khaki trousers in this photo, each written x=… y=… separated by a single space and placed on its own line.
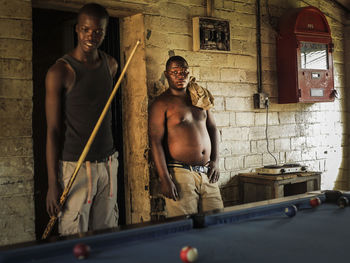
x=196 y=194
x=92 y=201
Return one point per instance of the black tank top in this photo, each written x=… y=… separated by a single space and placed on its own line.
x=83 y=105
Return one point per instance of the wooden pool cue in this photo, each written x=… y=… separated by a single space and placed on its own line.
x=63 y=198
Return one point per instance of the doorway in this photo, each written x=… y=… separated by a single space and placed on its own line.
x=53 y=36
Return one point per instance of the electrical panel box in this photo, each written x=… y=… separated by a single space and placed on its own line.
x=304 y=57
x=211 y=34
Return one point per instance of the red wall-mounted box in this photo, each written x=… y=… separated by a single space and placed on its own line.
x=304 y=57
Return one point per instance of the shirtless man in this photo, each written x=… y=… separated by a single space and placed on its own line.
x=184 y=144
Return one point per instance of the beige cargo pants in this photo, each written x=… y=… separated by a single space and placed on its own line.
x=92 y=201
x=196 y=194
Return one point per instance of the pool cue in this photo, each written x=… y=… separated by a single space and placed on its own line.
x=88 y=145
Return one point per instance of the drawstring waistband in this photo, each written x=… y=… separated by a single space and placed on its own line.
x=89 y=178
x=110 y=176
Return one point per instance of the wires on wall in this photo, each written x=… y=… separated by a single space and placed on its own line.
x=266 y=129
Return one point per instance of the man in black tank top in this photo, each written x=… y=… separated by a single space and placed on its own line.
x=78 y=86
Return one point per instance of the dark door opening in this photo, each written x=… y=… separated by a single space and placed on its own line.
x=53 y=36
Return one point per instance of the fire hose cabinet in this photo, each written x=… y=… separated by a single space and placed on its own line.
x=304 y=57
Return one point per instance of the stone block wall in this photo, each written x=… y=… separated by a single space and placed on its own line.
x=309 y=134
x=343 y=180
x=16 y=149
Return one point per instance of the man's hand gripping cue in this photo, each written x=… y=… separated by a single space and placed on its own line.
x=52 y=200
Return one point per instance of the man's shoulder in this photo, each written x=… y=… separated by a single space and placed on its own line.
x=59 y=67
x=161 y=101
x=112 y=64
x=165 y=97
x=60 y=74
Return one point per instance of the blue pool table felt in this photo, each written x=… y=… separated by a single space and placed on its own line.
x=255 y=233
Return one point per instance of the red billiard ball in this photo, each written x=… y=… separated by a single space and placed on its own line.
x=188 y=254
x=81 y=251
x=315 y=201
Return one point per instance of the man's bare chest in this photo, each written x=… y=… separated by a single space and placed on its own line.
x=185 y=114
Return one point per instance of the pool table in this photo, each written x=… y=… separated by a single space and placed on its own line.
x=255 y=232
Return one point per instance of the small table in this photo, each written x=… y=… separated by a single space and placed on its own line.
x=255 y=187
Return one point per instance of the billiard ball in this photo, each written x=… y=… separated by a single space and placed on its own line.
x=81 y=251
x=188 y=254
x=332 y=195
x=342 y=201
x=315 y=201
x=291 y=210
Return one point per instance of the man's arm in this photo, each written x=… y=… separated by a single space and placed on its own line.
x=54 y=84
x=156 y=130
x=214 y=172
x=113 y=65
